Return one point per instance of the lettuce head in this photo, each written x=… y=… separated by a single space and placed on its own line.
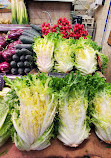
x=5 y=117
x=33 y=117
x=63 y=54
x=86 y=56
x=43 y=48
x=73 y=104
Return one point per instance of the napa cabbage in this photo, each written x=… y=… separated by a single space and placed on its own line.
x=43 y=48
x=73 y=105
x=100 y=107
x=5 y=117
x=86 y=60
x=64 y=55
x=33 y=117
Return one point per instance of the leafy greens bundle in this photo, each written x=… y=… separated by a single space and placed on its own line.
x=54 y=53
x=73 y=103
x=5 y=117
x=33 y=115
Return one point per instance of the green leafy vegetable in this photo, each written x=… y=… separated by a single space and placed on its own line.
x=44 y=47
x=85 y=57
x=5 y=117
x=100 y=106
x=73 y=104
x=102 y=113
x=64 y=55
x=33 y=115
x=86 y=52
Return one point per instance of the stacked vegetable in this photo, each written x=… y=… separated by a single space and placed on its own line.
x=23 y=59
x=38 y=106
x=68 y=54
x=7 y=48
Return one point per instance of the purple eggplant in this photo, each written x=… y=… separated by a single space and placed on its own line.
x=3 y=44
x=13 y=44
x=14 y=34
x=7 y=54
x=0 y=57
x=4 y=67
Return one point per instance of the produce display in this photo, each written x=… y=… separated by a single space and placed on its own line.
x=34 y=108
x=23 y=59
x=16 y=54
x=64 y=27
x=7 y=49
x=39 y=105
x=57 y=54
x=51 y=50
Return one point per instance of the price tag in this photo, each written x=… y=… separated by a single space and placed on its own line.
x=60 y=75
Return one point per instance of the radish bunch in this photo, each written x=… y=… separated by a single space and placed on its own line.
x=64 y=27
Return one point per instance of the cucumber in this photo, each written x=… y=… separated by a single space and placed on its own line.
x=35 y=27
x=20 y=64
x=14 y=71
x=28 y=58
x=26 y=51
x=18 y=52
x=27 y=64
x=13 y=64
x=32 y=32
x=27 y=70
x=22 y=58
x=21 y=71
x=26 y=39
x=15 y=57
x=26 y=46
x=35 y=32
x=29 y=35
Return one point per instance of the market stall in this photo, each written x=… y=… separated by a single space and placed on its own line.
x=54 y=98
